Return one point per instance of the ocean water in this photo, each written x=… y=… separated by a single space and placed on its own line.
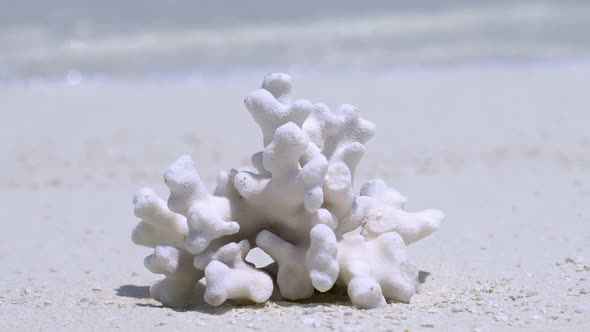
x=86 y=38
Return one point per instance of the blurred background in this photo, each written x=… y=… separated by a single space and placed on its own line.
x=83 y=39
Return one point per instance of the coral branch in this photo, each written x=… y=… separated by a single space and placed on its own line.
x=344 y=127
x=302 y=268
x=292 y=277
x=322 y=259
x=380 y=209
x=228 y=276
x=206 y=226
x=158 y=224
x=176 y=289
x=376 y=270
x=208 y=216
x=271 y=105
x=311 y=178
x=185 y=185
x=282 y=155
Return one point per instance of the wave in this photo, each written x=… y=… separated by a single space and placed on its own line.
x=501 y=32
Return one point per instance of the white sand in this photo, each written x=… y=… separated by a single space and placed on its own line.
x=504 y=152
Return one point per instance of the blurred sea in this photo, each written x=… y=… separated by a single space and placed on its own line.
x=162 y=37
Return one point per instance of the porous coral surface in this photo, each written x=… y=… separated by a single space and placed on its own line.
x=297 y=203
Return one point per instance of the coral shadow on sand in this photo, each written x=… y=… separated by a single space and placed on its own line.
x=336 y=296
x=422 y=275
x=138 y=292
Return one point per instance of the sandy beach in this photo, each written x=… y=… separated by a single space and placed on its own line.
x=504 y=151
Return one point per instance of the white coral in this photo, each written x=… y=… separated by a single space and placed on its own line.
x=158 y=224
x=271 y=105
x=207 y=215
x=228 y=276
x=299 y=207
x=176 y=289
x=380 y=208
x=376 y=270
x=303 y=267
